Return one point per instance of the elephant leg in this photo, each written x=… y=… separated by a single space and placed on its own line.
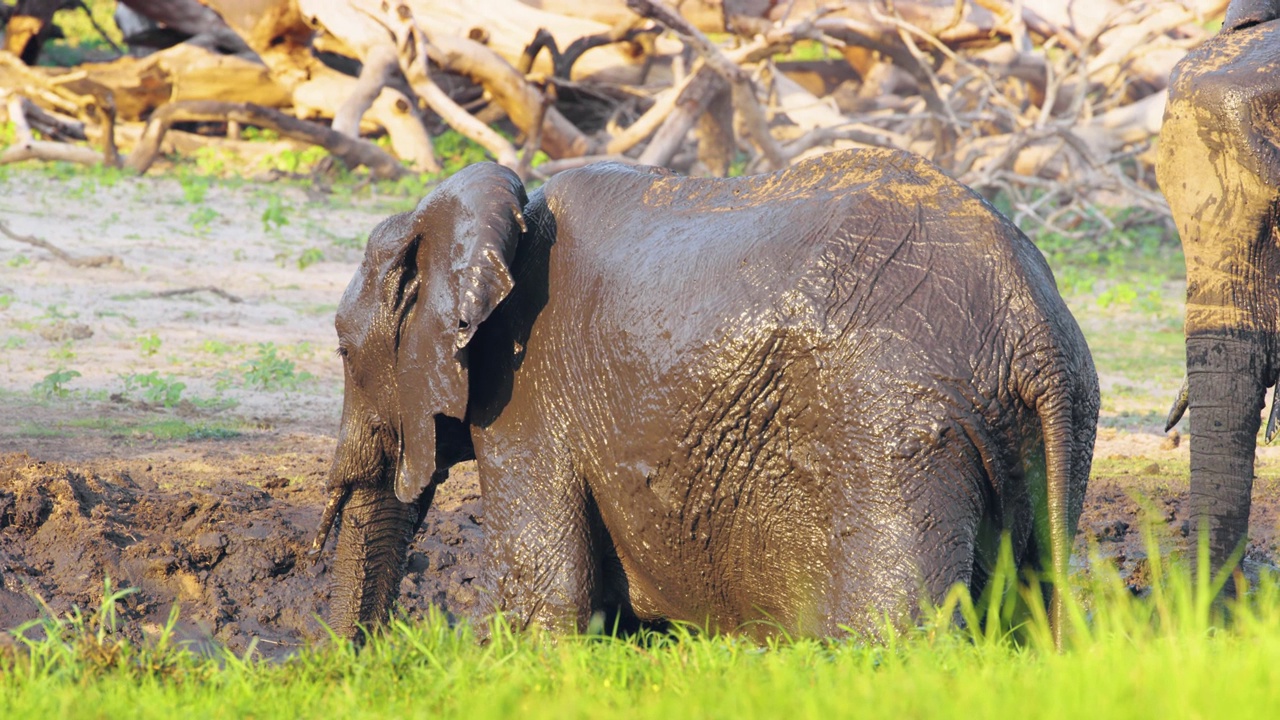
x=539 y=528
x=902 y=542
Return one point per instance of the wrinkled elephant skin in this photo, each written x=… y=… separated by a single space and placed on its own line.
x=1219 y=168
x=804 y=400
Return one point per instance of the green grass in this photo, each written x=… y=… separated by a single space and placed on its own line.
x=1169 y=653
x=153 y=429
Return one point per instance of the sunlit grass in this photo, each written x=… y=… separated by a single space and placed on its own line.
x=1169 y=653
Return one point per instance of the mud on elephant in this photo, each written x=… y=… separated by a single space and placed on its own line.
x=1219 y=168
x=811 y=398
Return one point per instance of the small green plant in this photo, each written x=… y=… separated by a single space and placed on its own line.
x=64 y=353
x=149 y=345
x=5 y=301
x=252 y=133
x=194 y=187
x=216 y=347
x=295 y=161
x=13 y=342
x=19 y=260
x=55 y=383
x=1122 y=295
x=212 y=160
x=54 y=313
x=156 y=390
x=456 y=151
x=269 y=371
x=309 y=257
x=273 y=217
x=201 y=218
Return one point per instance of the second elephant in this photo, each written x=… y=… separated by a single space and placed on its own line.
x=1219 y=168
x=808 y=399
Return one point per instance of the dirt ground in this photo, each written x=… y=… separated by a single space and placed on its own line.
x=178 y=443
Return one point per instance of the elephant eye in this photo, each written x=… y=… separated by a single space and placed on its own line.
x=342 y=352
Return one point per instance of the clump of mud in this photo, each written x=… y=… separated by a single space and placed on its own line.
x=229 y=547
x=1117 y=509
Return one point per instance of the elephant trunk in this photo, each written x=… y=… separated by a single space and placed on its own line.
x=372 y=549
x=1228 y=376
x=376 y=527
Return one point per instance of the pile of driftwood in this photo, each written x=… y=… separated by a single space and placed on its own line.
x=1054 y=103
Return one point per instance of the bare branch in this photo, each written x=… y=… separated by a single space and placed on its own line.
x=63 y=255
x=353 y=152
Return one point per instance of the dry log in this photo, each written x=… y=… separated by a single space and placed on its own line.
x=552 y=167
x=229 y=297
x=206 y=26
x=745 y=101
x=411 y=43
x=562 y=63
x=27 y=27
x=716 y=142
x=53 y=125
x=691 y=104
x=353 y=152
x=69 y=93
x=517 y=97
x=26 y=147
x=507 y=27
x=655 y=116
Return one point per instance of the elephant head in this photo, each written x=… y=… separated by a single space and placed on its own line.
x=428 y=280
x=1219 y=168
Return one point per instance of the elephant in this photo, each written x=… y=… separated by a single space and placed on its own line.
x=1218 y=166
x=801 y=402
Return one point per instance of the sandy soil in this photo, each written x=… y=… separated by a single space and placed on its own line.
x=211 y=498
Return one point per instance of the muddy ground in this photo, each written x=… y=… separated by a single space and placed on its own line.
x=178 y=443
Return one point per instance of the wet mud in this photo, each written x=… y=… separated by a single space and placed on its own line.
x=223 y=529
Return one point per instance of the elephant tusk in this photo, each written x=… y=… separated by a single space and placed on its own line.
x=1179 y=405
x=1275 y=410
x=336 y=501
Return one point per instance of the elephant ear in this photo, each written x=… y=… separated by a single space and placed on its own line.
x=468 y=229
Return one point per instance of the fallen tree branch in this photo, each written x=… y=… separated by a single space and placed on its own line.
x=63 y=255
x=353 y=152
x=517 y=97
x=26 y=147
x=745 y=100
x=412 y=47
x=552 y=167
x=95 y=104
x=562 y=62
x=694 y=101
x=201 y=288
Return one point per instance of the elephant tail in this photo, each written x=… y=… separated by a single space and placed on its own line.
x=1057 y=424
x=1068 y=413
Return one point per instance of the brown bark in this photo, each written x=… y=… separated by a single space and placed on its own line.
x=716 y=146
x=353 y=152
x=745 y=101
x=23 y=31
x=192 y=18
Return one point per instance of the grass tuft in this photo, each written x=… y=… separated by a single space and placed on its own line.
x=1170 y=652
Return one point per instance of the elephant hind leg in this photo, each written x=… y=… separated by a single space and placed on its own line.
x=906 y=544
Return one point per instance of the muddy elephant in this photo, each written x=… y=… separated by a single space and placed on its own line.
x=1219 y=168
x=806 y=400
